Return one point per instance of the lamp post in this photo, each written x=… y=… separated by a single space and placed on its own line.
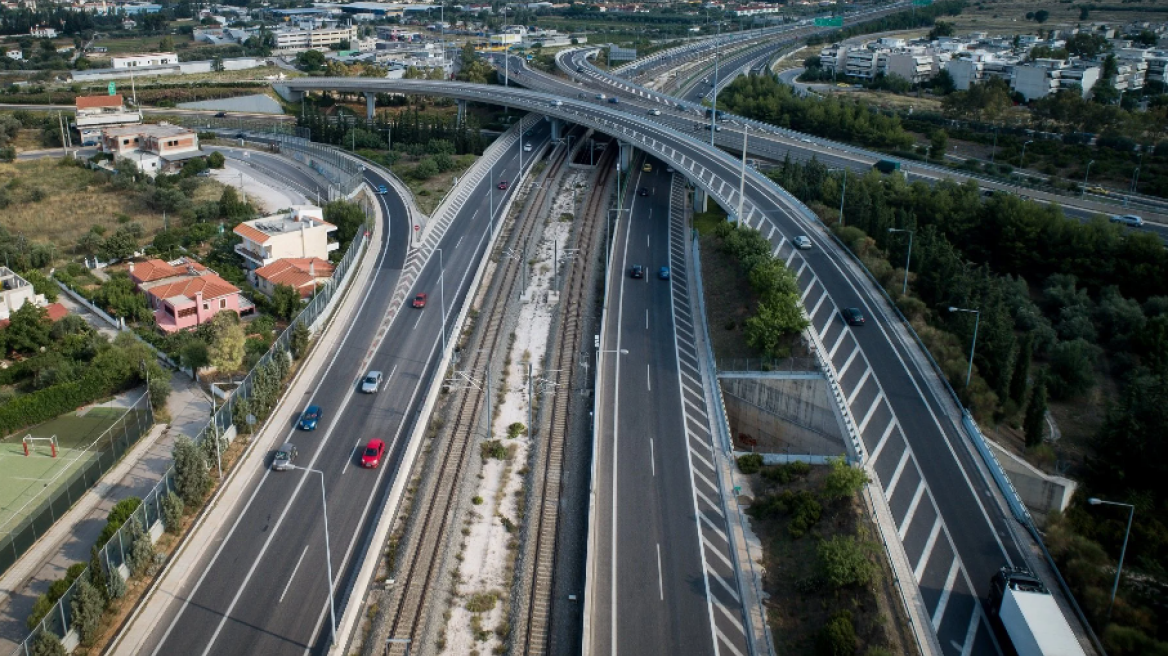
x=907 y=259
x=1119 y=570
x=742 y=174
x=1084 y=192
x=972 y=347
x=215 y=423
x=1135 y=179
x=994 y=152
x=1023 y=165
x=843 y=192
x=328 y=554
x=442 y=295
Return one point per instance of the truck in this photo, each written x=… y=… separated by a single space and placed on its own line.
x=887 y=166
x=1024 y=609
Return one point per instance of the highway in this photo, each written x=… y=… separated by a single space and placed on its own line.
x=264 y=589
x=952 y=533
x=669 y=592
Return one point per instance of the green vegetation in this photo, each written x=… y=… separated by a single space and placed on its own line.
x=918 y=17
x=57 y=589
x=117 y=516
x=1065 y=304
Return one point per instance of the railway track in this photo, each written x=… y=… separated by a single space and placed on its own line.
x=422 y=552
x=540 y=549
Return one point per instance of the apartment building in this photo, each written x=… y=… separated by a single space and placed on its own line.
x=1042 y=77
x=144 y=61
x=914 y=62
x=96 y=113
x=302 y=232
x=314 y=38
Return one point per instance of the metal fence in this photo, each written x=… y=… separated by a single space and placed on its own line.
x=344 y=173
x=114 y=553
x=55 y=500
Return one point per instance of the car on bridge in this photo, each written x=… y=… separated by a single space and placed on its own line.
x=371 y=457
x=647 y=168
x=853 y=316
x=420 y=301
x=654 y=112
x=310 y=418
x=371 y=383
x=613 y=100
x=527 y=147
x=643 y=191
x=600 y=96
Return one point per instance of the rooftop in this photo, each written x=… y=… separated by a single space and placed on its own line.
x=93 y=102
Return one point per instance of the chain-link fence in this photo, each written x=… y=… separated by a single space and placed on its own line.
x=56 y=498
x=115 y=553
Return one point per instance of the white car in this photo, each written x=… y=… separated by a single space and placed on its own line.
x=527 y=148
x=654 y=112
x=557 y=103
x=802 y=242
x=371 y=383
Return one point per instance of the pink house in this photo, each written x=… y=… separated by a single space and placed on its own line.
x=185 y=294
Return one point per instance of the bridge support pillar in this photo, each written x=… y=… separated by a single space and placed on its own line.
x=626 y=155
x=461 y=111
x=557 y=128
x=370 y=105
x=699 y=200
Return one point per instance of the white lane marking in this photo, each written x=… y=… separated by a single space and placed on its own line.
x=726 y=587
x=420 y=315
x=851 y=357
x=294 y=569
x=352 y=454
x=717 y=552
x=912 y=509
x=730 y=645
x=718 y=531
x=891 y=489
x=457 y=243
x=646 y=318
x=822 y=298
x=660 y=577
x=967 y=647
x=267 y=472
x=875 y=455
x=946 y=592
x=871 y=410
x=729 y=615
x=919 y=570
x=652 y=458
x=859 y=385
x=648 y=378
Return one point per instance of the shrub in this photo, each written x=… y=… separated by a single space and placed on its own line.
x=477 y=500
x=87 y=605
x=117 y=516
x=843 y=562
x=843 y=481
x=48 y=644
x=750 y=463
x=57 y=589
x=191 y=478
x=785 y=474
x=481 y=603
x=493 y=449
x=837 y=637
x=516 y=429
x=117 y=584
x=141 y=550
x=172 y=512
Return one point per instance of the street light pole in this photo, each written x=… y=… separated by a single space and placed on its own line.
x=1085 y=175
x=907 y=259
x=1119 y=570
x=1024 y=153
x=972 y=347
x=742 y=179
x=215 y=423
x=442 y=295
x=843 y=193
x=328 y=554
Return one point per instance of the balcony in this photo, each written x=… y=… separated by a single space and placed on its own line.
x=333 y=246
x=253 y=259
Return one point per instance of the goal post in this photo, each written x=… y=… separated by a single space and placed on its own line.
x=30 y=443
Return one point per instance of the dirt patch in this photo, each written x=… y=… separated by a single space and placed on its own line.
x=800 y=602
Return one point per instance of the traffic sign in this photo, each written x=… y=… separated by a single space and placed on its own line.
x=834 y=21
x=417 y=227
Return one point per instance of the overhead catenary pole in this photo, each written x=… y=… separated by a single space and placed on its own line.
x=742 y=179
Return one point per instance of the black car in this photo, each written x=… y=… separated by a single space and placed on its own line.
x=643 y=191
x=637 y=271
x=853 y=316
x=221 y=115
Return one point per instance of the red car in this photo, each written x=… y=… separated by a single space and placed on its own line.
x=503 y=184
x=420 y=301
x=372 y=455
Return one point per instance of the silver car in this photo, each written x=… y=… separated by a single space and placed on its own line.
x=802 y=243
x=1128 y=219
x=371 y=383
x=282 y=461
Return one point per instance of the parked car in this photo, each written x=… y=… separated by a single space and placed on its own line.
x=420 y=300
x=502 y=185
x=637 y=271
x=284 y=456
x=1128 y=219
x=663 y=273
x=802 y=242
x=371 y=457
x=853 y=316
x=371 y=383
x=310 y=418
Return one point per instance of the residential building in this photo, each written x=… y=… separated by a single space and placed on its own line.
x=302 y=274
x=1045 y=76
x=153 y=147
x=146 y=60
x=185 y=294
x=95 y=113
x=14 y=53
x=914 y=62
x=302 y=232
x=42 y=32
x=15 y=292
x=314 y=38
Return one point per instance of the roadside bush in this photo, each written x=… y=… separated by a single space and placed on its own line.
x=844 y=562
x=57 y=589
x=801 y=506
x=191 y=478
x=48 y=644
x=172 y=512
x=786 y=474
x=493 y=449
x=299 y=340
x=843 y=481
x=117 y=584
x=142 y=550
x=750 y=463
x=516 y=429
x=837 y=637
x=117 y=516
x=87 y=605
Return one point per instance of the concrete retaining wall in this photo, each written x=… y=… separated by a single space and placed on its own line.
x=783 y=416
x=1041 y=492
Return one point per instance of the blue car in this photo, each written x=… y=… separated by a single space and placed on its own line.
x=663 y=273
x=382 y=189
x=311 y=416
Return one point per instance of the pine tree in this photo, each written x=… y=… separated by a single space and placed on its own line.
x=1035 y=420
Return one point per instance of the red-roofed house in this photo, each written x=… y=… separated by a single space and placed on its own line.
x=184 y=293
x=302 y=274
x=97 y=112
x=300 y=233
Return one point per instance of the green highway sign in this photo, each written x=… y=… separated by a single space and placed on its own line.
x=834 y=21
x=922 y=3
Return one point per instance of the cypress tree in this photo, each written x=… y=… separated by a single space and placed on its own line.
x=1022 y=370
x=1035 y=419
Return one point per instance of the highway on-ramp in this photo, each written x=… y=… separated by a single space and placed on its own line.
x=264 y=589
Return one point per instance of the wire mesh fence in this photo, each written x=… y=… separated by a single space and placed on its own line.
x=116 y=552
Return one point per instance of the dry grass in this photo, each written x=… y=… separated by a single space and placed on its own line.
x=27 y=140
x=1009 y=17
x=72 y=200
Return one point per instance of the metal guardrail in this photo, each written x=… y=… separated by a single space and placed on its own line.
x=59 y=620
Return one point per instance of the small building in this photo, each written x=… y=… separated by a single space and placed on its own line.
x=95 y=113
x=302 y=232
x=302 y=274
x=141 y=61
x=185 y=294
x=15 y=292
x=42 y=32
x=14 y=53
x=162 y=147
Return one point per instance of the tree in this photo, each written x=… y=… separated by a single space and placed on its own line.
x=158 y=385
x=285 y=302
x=48 y=644
x=938 y=143
x=1020 y=377
x=195 y=355
x=97 y=574
x=216 y=160
x=347 y=217
x=1072 y=368
x=843 y=481
x=87 y=605
x=28 y=329
x=941 y=28
x=1034 y=424
x=299 y=340
x=226 y=350
x=777 y=317
x=1041 y=15
x=837 y=637
x=232 y=208
x=166 y=44
x=844 y=562
x=172 y=512
x=41 y=284
x=310 y=61
x=119 y=246
x=117 y=584
x=192 y=480
x=142 y=549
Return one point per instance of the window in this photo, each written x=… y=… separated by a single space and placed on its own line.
x=186 y=312
x=222 y=303
x=206 y=306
